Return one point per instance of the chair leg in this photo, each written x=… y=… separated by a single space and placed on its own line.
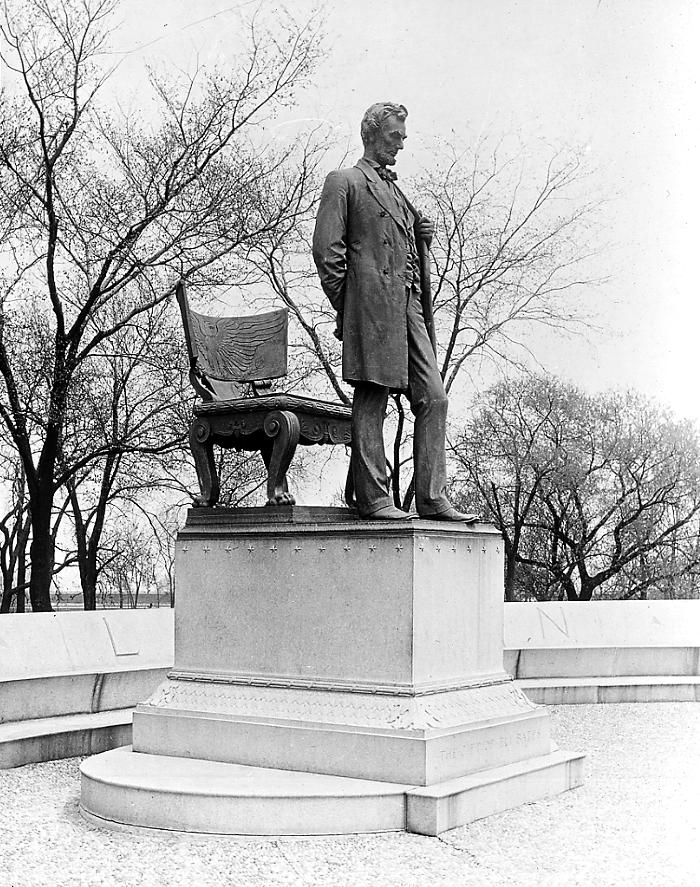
x=350 y=488
x=266 y=453
x=203 y=453
x=283 y=428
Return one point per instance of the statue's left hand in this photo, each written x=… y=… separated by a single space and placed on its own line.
x=425 y=229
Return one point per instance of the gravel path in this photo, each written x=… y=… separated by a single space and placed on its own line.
x=635 y=822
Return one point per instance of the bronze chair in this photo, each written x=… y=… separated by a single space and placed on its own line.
x=232 y=360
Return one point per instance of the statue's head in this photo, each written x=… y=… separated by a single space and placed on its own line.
x=383 y=131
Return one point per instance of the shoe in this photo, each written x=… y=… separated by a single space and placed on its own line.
x=451 y=514
x=386 y=512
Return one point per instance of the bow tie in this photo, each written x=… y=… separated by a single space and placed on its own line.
x=387 y=174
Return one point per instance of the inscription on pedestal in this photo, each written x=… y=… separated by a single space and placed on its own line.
x=500 y=742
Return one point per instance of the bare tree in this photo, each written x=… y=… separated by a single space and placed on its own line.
x=101 y=212
x=129 y=568
x=633 y=499
x=514 y=445
x=595 y=495
x=164 y=524
x=126 y=401
x=510 y=252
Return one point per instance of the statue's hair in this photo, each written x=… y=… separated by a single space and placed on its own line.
x=375 y=115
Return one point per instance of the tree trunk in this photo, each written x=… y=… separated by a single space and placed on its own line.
x=87 y=564
x=40 y=485
x=510 y=575
x=88 y=542
x=570 y=590
x=410 y=493
x=88 y=580
x=22 y=563
x=87 y=567
x=6 y=602
x=41 y=553
x=587 y=589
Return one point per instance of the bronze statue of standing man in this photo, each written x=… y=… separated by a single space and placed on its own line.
x=367 y=258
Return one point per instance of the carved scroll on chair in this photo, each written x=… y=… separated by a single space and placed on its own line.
x=232 y=363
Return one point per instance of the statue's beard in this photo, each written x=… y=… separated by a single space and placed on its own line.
x=385 y=158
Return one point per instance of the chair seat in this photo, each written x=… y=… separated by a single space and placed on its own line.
x=240 y=421
x=279 y=400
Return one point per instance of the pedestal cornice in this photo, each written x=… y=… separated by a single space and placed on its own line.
x=294 y=519
x=425 y=688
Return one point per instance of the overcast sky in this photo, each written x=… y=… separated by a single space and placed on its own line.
x=618 y=77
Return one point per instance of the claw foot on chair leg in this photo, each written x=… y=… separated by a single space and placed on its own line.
x=282 y=428
x=202 y=502
x=282 y=498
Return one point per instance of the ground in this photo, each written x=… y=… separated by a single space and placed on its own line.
x=636 y=821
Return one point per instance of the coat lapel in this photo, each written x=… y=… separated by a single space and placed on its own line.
x=378 y=191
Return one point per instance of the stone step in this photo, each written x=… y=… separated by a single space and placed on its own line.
x=63 y=736
x=127 y=790
x=591 y=690
x=437 y=808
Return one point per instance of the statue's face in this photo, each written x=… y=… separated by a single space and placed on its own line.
x=388 y=141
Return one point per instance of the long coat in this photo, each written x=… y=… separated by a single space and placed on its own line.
x=360 y=248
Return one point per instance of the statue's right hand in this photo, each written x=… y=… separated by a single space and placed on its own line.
x=338 y=331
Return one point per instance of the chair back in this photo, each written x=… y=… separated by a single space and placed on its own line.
x=227 y=353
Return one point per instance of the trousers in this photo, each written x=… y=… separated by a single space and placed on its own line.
x=428 y=401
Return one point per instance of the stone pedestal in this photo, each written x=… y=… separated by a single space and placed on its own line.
x=368 y=652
